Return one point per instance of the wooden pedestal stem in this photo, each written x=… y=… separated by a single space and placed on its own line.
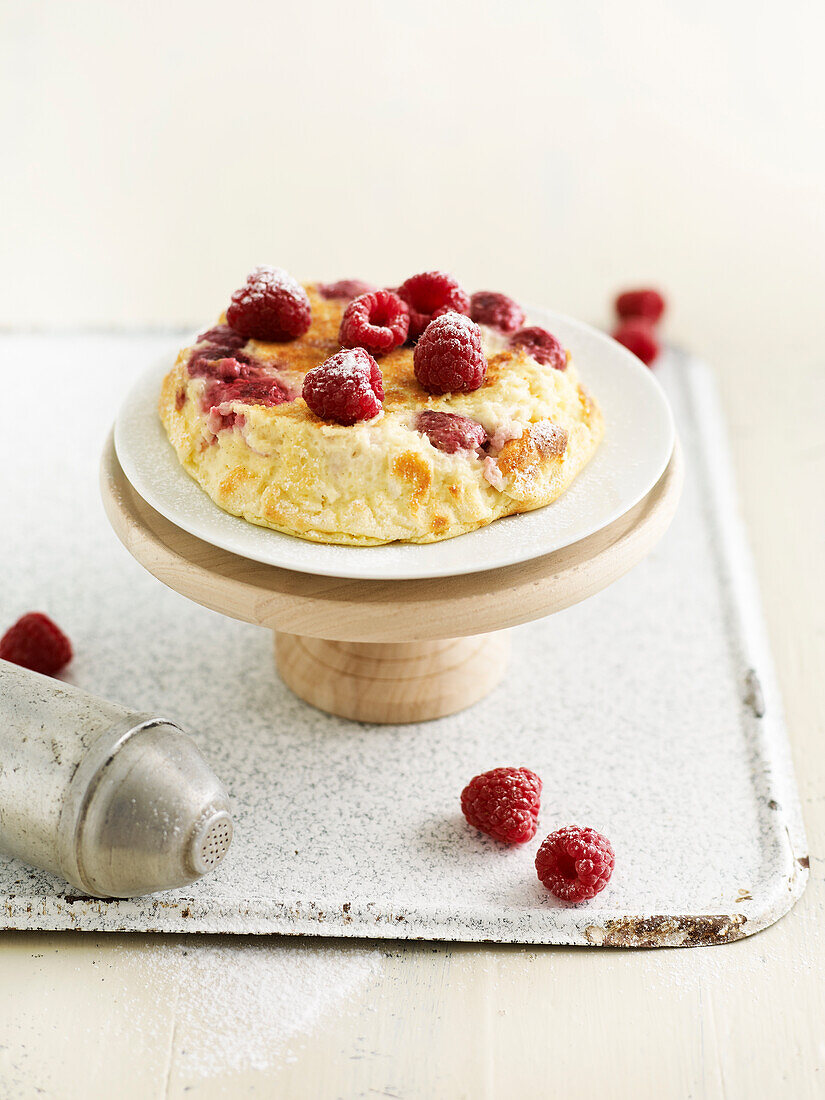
x=387 y=651
x=392 y=681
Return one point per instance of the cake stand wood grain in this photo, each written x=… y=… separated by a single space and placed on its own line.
x=387 y=651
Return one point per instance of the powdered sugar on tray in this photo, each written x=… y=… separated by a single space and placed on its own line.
x=239 y=1001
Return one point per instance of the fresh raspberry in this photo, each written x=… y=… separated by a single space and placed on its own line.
x=504 y=803
x=450 y=432
x=345 y=289
x=271 y=306
x=648 y=304
x=37 y=643
x=575 y=864
x=542 y=345
x=487 y=307
x=448 y=357
x=637 y=336
x=429 y=295
x=377 y=322
x=346 y=388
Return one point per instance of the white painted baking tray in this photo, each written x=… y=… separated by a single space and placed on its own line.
x=651 y=712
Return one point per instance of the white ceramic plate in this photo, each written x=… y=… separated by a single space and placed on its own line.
x=636 y=448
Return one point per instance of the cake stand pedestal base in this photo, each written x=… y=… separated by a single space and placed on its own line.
x=392 y=681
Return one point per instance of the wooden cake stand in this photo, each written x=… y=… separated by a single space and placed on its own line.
x=387 y=651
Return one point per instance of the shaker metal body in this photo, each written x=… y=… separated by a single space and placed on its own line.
x=116 y=802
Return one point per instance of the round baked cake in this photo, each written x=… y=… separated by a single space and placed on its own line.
x=345 y=415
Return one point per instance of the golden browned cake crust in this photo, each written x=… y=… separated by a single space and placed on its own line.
x=381 y=480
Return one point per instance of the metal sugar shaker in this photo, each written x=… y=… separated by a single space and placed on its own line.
x=116 y=802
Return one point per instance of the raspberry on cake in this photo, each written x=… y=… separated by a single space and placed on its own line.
x=487 y=307
x=345 y=388
x=449 y=358
x=450 y=432
x=345 y=289
x=377 y=322
x=270 y=305
x=282 y=426
x=542 y=345
x=430 y=294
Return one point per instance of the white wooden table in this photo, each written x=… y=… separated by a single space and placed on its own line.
x=81 y=1015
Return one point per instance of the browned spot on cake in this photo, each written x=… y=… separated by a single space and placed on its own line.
x=454 y=490
x=522 y=460
x=235 y=478
x=586 y=402
x=539 y=442
x=438 y=525
x=495 y=364
x=412 y=468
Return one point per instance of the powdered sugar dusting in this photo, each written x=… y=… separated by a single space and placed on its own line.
x=348 y=365
x=457 y=326
x=239 y=1002
x=263 y=278
x=510 y=429
x=548 y=437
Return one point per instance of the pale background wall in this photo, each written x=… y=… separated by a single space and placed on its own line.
x=150 y=153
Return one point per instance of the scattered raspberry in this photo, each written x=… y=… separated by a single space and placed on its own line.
x=448 y=357
x=346 y=388
x=429 y=295
x=345 y=289
x=504 y=803
x=575 y=864
x=542 y=345
x=637 y=336
x=377 y=322
x=648 y=304
x=487 y=307
x=37 y=643
x=271 y=306
x=450 y=432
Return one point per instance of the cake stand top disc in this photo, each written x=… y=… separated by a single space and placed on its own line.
x=383 y=610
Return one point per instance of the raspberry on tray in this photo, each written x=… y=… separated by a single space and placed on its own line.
x=38 y=643
x=638 y=336
x=504 y=803
x=574 y=863
x=648 y=304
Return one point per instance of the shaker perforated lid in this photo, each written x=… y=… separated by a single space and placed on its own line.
x=144 y=813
